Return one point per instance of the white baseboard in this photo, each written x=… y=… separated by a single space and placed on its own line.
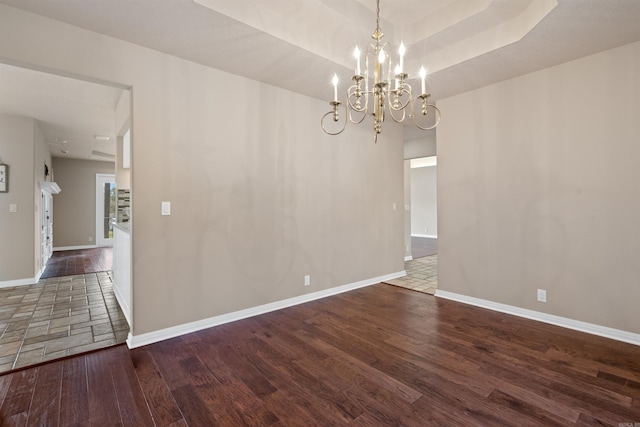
x=74 y=248
x=408 y=258
x=134 y=341
x=576 y=325
x=430 y=236
x=124 y=307
x=19 y=282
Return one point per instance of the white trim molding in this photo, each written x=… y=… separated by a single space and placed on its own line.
x=122 y=301
x=408 y=258
x=20 y=282
x=74 y=248
x=134 y=341
x=576 y=325
x=429 y=236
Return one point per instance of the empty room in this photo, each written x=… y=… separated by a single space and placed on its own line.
x=266 y=211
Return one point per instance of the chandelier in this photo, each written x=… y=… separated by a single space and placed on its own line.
x=388 y=92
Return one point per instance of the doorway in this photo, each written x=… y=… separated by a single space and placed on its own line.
x=424 y=208
x=105 y=208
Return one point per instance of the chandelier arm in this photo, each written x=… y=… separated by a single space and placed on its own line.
x=335 y=115
x=400 y=120
x=425 y=106
x=404 y=89
x=357 y=122
x=352 y=93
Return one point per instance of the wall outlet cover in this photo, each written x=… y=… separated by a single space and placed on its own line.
x=542 y=295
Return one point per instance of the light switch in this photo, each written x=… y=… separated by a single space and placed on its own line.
x=166 y=208
x=13 y=207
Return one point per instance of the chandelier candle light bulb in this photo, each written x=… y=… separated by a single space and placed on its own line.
x=335 y=87
x=423 y=74
x=356 y=54
x=401 y=52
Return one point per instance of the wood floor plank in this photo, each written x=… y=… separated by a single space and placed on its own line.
x=163 y=407
x=134 y=410
x=5 y=384
x=102 y=400
x=320 y=401
x=74 y=404
x=19 y=394
x=45 y=406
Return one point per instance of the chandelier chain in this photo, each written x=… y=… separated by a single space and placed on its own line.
x=377 y=16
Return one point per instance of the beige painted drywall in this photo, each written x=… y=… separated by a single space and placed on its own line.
x=122 y=124
x=260 y=195
x=407 y=203
x=74 y=209
x=539 y=189
x=421 y=147
x=17 y=229
x=424 y=215
x=23 y=149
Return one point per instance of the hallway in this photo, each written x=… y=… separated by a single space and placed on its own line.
x=79 y=261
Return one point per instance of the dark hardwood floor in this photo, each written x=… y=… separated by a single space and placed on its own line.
x=423 y=246
x=376 y=356
x=82 y=261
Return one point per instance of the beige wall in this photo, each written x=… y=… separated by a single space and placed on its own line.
x=407 y=213
x=540 y=189
x=17 y=229
x=422 y=147
x=74 y=209
x=424 y=215
x=23 y=148
x=260 y=195
x=122 y=123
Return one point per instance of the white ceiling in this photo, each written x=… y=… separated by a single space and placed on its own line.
x=71 y=112
x=299 y=44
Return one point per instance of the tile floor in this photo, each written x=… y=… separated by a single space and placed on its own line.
x=58 y=317
x=422 y=275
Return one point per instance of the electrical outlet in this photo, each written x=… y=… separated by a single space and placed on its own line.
x=91 y=238
x=542 y=295
x=307 y=280
x=165 y=208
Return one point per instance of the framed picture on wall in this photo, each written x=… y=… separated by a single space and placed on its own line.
x=4 y=178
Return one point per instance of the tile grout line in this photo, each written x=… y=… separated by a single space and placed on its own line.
x=24 y=335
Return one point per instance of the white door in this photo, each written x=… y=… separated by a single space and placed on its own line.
x=46 y=228
x=105 y=208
